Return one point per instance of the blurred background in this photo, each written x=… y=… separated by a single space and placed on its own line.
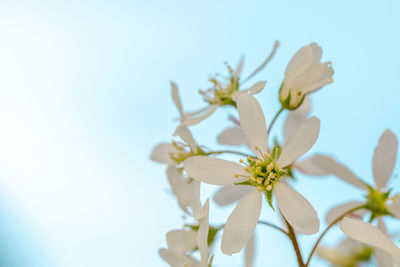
x=84 y=96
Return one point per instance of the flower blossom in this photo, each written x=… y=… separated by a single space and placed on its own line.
x=266 y=173
x=184 y=241
x=222 y=93
x=379 y=202
x=304 y=75
x=176 y=152
x=234 y=136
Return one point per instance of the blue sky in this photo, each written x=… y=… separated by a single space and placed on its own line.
x=85 y=96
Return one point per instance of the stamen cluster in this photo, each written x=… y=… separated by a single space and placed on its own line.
x=182 y=152
x=264 y=172
x=221 y=92
x=377 y=202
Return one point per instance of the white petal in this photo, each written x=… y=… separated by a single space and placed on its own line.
x=384 y=158
x=241 y=223
x=175 y=178
x=369 y=234
x=202 y=236
x=300 y=142
x=249 y=252
x=324 y=79
x=176 y=259
x=187 y=191
x=331 y=166
x=304 y=108
x=309 y=167
x=177 y=99
x=296 y=209
x=383 y=259
x=394 y=209
x=296 y=118
x=381 y=226
x=199 y=118
x=303 y=58
x=232 y=136
x=256 y=88
x=184 y=133
x=339 y=210
x=182 y=240
x=252 y=122
x=262 y=66
x=190 y=114
x=313 y=78
x=198 y=211
x=213 y=171
x=349 y=244
x=161 y=153
x=231 y=193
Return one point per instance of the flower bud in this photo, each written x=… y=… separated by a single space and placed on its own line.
x=304 y=75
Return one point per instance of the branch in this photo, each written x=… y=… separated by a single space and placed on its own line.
x=275 y=227
x=327 y=229
x=292 y=236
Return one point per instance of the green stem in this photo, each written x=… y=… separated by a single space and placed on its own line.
x=327 y=229
x=293 y=238
x=274 y=119
x=274 y=226
x=229 y=152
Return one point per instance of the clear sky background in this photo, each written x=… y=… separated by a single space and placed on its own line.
x=84 y=96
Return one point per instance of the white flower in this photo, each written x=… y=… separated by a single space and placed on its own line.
x=223 y=93
x=264 y=172
x=181 y=242
x=378 y=202
x=376 y=237
x=304 y=75
x=229 y=194
x=174 y=153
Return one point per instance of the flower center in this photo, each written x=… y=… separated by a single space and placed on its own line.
x=376 y=202
x=182 y=152
x=221 y=92
x=263 y=173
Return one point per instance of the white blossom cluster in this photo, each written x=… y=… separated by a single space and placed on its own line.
x=266 y=174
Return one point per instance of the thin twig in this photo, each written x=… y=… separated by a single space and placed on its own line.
x=274 y=226
x=274 y=119
x=271 y=55
x=327 y=229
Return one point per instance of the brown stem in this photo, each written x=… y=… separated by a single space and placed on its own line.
x=293 y=238
x=327 y=229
